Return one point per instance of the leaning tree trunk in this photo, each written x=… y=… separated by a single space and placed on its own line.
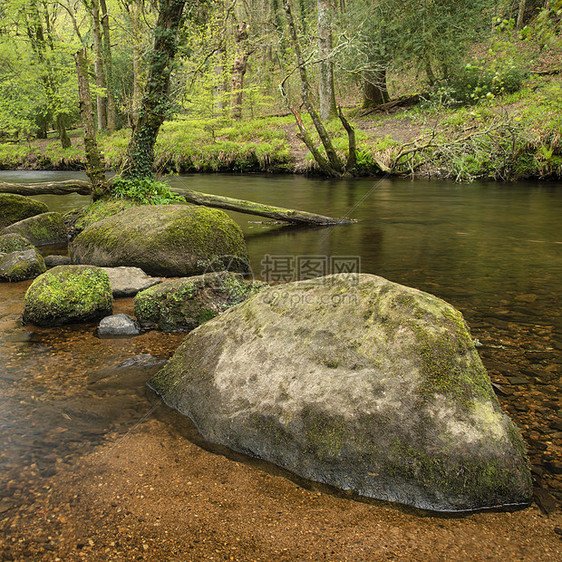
x=155 y=105
x=375 y=91
x=335 y=163
x=95 y=167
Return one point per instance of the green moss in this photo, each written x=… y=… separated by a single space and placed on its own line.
x=14 y=208
x=14 y=243
x=100 y=210
x=68 y=293
x=41 y=230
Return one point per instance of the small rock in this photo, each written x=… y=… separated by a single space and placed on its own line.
x=545 y=501
x=20 y=266
x=118 y=325
x=517 y=380
x=54 y=260
x=128 y=281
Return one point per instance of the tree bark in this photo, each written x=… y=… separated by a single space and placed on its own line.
x=326 y=90
x=375 y=91
x=520 y=15
x=155 y=105
x=333 y=158
x=108 y=66
x=99 y=66
x=95 y=166
x=239 y=70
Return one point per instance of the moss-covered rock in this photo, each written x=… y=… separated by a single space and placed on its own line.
x=78 y=220
x=41 y=230
x=21 y=265
x=14 y=243
x=68 y=294
x=14 y=208
x=359 y=383
x=183 y=304
x=165 y=240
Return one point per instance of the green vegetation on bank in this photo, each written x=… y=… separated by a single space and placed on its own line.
x=501 y=137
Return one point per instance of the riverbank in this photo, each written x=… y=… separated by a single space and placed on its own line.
x=510 y=137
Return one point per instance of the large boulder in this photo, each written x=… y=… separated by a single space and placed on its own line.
x=14 y=243
x=68 y=294
x=20 y=266
x=360 y=383
x=183 y=304
x=14 y=208
x=41 y=230
x=167 y=240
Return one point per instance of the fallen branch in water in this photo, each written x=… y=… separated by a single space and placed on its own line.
x=48 y=187
x=292 y=216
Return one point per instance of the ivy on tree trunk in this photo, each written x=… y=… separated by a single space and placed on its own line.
x=155 y=104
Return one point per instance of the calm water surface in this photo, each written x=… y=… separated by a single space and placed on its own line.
x=492 y=250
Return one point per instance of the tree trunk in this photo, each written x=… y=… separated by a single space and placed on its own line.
x=374 y=88
x=137 y=65
x=238 y=70
x=333 y=158
x=44 y=188
x=95 y=166
x=139 y=161
x=326 y=91
x=99 y=66
x=520 y=15
x=108 y=66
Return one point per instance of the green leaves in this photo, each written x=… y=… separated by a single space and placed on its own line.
x=144 y=191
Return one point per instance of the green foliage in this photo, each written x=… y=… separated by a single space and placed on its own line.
x=144 y=191
x=475 y=82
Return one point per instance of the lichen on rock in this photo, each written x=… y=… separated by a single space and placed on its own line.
x=359 y=383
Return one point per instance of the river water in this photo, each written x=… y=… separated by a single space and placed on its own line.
x=493 y=250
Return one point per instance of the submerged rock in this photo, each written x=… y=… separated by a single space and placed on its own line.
x=41 y=230
x=20 y=266
x=128 y=281
x=68 y=294
x=184 y=304
x=14 y=208
x=118 y=325
x=167 y=240
x=366 y=385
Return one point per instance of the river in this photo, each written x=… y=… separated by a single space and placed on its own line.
x=492 y=250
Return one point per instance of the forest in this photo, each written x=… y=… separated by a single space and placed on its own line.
x=459 y=89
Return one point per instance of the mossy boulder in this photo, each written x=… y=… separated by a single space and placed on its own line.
x=14 y=208
x=183 y=304
x=359 y=383
x=14 y=243
x=20 y=266
x=68 y=294
x=163 y=240
x=41 y=230
x=78 y=220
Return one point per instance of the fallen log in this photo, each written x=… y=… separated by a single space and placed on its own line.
x=251 y=208
x=48 y=187
x=292 y=216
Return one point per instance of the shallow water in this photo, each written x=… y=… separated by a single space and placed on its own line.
x=494 y=251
